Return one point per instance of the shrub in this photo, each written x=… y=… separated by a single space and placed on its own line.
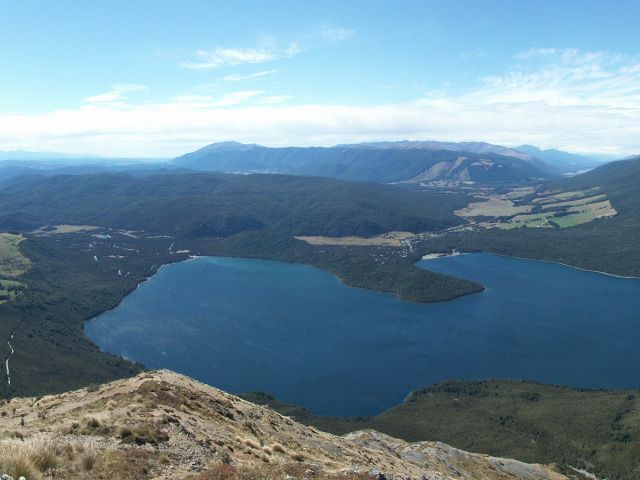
x=251 y=444
x=298 y=457
x=219 y=472
x=88 y=459
x=143 y=434
x=278 y=448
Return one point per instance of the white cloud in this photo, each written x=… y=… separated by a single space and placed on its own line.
x=236 y=98
x=275 y=99
x=117 y=92
x=221 y=57
x=228 y=57
x=241 y=78
x=537 y=52
x=338 y=34
x=293 y=49
x=469 y=54
x=584 y=102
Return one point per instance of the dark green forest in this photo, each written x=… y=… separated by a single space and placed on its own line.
x=197 y=205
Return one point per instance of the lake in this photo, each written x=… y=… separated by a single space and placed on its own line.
x=298 y=333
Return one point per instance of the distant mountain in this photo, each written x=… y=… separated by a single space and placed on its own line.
x=383 y=162
x=14 y=168
x=565 y=161
x=25 y=155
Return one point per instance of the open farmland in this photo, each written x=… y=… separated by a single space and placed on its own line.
x=548 y=209
x=12 y=265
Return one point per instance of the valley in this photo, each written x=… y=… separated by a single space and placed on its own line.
x=91 y=240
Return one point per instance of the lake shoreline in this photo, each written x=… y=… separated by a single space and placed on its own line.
x=583 y=269
x=431 y=340
x=435 y=256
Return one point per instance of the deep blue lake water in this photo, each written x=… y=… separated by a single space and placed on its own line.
x=300 y=334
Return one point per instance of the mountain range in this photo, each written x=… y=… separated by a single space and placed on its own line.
x=409 y=162
x=391 y=162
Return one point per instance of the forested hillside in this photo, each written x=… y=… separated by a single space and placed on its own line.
x=218 y=205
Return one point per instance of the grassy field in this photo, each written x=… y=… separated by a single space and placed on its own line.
x=12 y=262
x=596 y=430
x=538 y=209
x=12 y=265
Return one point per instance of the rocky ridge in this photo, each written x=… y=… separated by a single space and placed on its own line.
x=162 y=425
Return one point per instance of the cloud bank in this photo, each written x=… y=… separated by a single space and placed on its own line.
x=582 y=102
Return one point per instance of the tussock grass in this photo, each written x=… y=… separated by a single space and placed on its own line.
x=31 y=457
x=252 y=444
x=278 y=448
x=89 y=457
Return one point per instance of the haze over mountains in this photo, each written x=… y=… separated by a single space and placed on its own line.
x=382 y=162
x=568 y=162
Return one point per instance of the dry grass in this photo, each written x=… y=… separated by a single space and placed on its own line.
x=252 y=444
x=56 y=229
x=43 y=457
x=269 y=472
x=143 y=434
x=30 y=458
x=492 y=207
x=278 y=448
x=12 y=262
x=390 y=239
x=88 y=457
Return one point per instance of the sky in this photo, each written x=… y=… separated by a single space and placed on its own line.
x=161 y=78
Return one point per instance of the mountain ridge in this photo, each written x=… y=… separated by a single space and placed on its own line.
x=163 y=425
x=382 y=162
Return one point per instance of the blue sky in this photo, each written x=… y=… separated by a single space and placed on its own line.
x=163 y=77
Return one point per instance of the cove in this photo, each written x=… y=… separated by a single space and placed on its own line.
x=298 y=333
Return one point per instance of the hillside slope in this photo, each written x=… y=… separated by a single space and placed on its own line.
x=200 y=205
x=389 y=162
x=619 y=180
x=163 y=425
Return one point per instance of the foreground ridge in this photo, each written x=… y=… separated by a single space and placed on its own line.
x=162 y=425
